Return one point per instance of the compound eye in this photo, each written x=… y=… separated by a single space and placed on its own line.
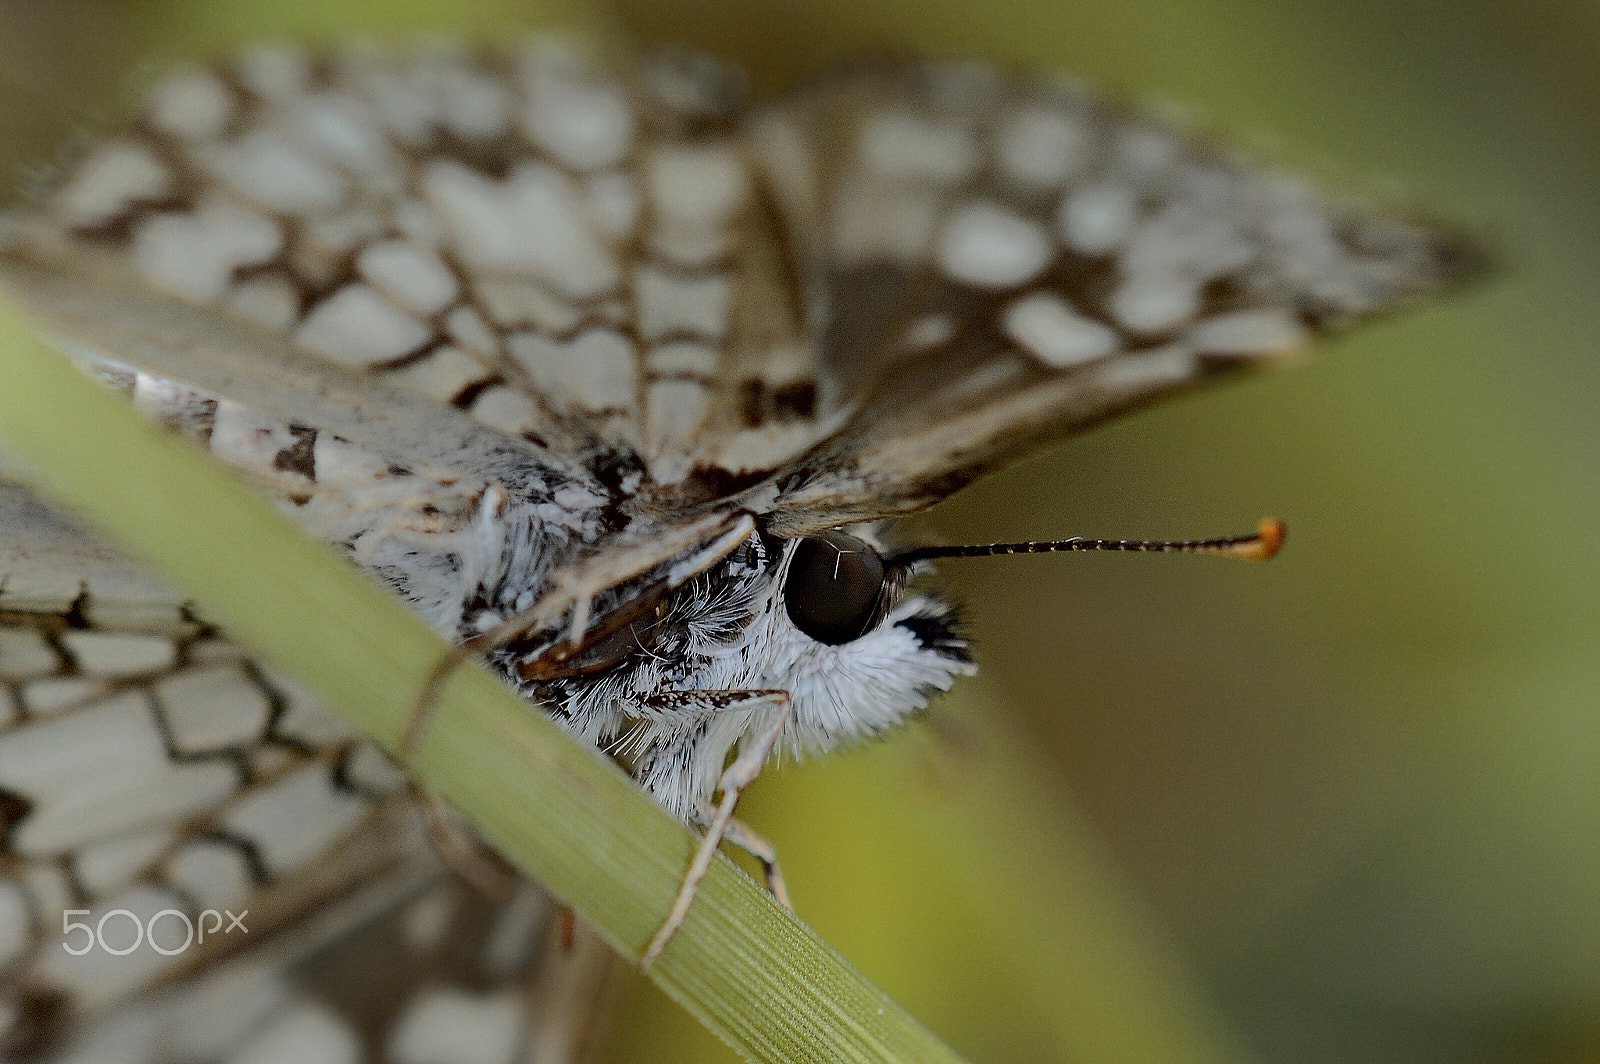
x=834 y=587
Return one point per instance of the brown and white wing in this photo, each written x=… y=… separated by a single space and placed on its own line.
x=146 y=764
x=845 y=305
x=994 y=261
x=573 y=261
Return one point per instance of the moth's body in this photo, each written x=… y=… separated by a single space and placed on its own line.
x=606 y=355
x=474 y=553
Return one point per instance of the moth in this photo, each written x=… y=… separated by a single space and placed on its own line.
x=617 y=367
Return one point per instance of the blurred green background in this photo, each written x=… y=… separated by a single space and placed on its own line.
x=1344 y=807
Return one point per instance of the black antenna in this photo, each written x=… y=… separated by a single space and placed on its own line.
x=1258 y=547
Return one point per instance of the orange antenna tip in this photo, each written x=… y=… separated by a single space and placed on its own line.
x=1264 y=545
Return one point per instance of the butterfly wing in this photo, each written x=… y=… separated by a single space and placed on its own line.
x=515 y=246
x=997 y=261
x=146 y=764
x=843 y=305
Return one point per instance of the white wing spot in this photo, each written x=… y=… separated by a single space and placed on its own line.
x=446 y=1026
x=512 y=303
x=358 y=327
x=306 y=720
x=191 y=104
x=442 y=374
x=584 y=124
x=268 y=300
x=194 y=255
x=473 y=105
x=24 y=655
x=985 y=244
x=1097 y=219
x=43 y=697
x=1250 y=332
x=427 y=920
x=508 y=411
x=928 y=331
x=1163 y=367
x=308 y=1033
x=418 y=221
x=515 y=933
x=211 y=708
x=909 y=146
x=532 y=222
x=1041 y=148
x=1182 y=239
x=119 y=653
x=1055 y=333
x=367 y=767
x=214 y=873
x=100 y=771
x=109 y=183
x=406 y=103
x=44 y=590
x=326 y=242
x=413 y=275
x=1143 y=151
x=596 y=370
x=348 y=132
x=682 y=357
x=268 y=169
x=696 y=188
x=295 y=819
x=467 y=328
x=108 y=865
x=669 y=303
x=1152 y=302
x=614 y=203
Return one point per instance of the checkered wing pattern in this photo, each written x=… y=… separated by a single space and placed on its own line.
x=379 y=282
x=995 y=261
x=147 y=765
x=842 y=305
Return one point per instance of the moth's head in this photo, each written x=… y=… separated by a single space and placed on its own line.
x=859 y=653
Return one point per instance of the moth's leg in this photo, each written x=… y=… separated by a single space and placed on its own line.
x=460 y=848
x=715 y=540
x=743 y=836
x=752 y=757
